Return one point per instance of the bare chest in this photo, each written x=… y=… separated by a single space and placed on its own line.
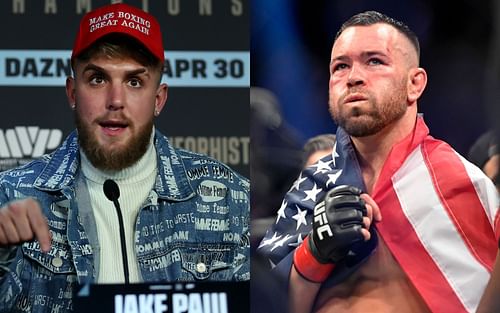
x=380 y=285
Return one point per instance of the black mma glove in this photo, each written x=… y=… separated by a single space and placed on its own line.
x=337 y=224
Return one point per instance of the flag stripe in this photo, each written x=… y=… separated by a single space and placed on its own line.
x=416 y=262
x=438 y=234
x=464 y=205
x=484 y=189
x=497 y=227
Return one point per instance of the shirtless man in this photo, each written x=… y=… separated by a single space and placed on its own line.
x=406 y=224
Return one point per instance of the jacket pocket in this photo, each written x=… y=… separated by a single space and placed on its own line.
x=47 y=279
x=215 y=262
x=57 y=261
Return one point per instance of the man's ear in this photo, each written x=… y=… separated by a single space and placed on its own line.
x=70 y=92
x=161 y=98
x=417 y=81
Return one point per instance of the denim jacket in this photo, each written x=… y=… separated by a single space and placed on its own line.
x=192 y=227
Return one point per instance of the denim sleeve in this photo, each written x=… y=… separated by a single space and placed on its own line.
x=6 y=253
x=242 y=262
x=10 y=285
x=7 y=256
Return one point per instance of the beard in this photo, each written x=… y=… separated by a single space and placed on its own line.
x=362 y=121
x=112 y=159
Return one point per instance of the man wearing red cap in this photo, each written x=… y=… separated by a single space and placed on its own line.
x=116 y=203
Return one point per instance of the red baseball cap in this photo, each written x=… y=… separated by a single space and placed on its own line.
x=119 y=18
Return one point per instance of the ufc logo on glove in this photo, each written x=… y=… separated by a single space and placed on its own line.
x=320 y=218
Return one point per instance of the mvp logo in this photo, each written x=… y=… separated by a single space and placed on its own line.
x=28 y=141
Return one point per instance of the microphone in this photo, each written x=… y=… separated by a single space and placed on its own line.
x=112 y=192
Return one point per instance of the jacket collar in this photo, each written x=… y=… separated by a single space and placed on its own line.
x=63 y=165
x=172 y=182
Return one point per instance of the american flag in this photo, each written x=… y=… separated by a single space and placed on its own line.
x=440 y=216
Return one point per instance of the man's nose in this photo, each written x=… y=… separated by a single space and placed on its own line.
x=116 y=97
x=356 y=76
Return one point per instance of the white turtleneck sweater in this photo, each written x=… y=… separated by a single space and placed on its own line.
x=135 y=184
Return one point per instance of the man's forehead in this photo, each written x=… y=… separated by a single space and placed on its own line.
x=375 y=37
x=107 y=62
x=367 y=34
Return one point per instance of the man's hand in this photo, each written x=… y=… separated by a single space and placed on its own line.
x=340 y=220
x=21 y=221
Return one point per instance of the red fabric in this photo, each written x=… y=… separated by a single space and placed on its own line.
x=120 y=18
x=497 y=226
x=413 y=257
x=478 y=235
x=448 y=174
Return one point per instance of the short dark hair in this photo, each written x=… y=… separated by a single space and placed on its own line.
x=118 y=45
x=318 y=143
x=374 y=17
